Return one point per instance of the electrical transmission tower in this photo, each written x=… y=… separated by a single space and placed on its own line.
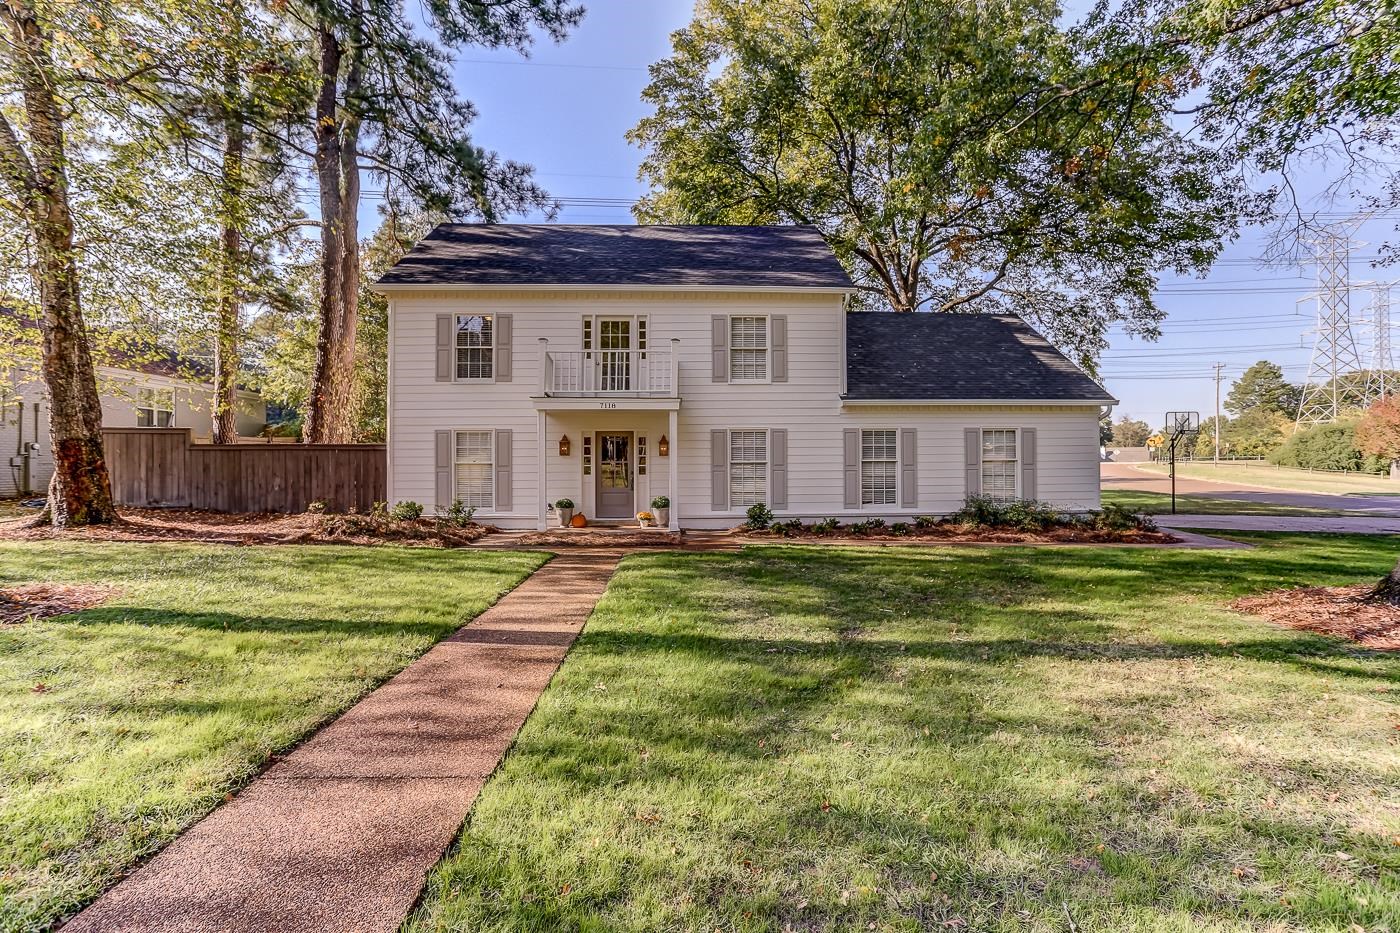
x=1379 y=381
x=1333 y=383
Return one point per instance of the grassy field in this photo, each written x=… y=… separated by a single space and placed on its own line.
x=1000 y=739
x=121 y=725
x=1160 y=503
x=1266 y=474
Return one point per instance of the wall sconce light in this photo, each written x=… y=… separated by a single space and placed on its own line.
x=663 y=446
x=564 y=446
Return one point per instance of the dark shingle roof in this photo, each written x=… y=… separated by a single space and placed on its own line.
x=620 y=254
x=941 y=356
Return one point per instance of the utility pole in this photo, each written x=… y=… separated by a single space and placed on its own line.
x=1219 y=377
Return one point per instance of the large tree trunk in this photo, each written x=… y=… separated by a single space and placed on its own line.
x=81 y=490
x=330 y=408
x=228 y=323
x=1387 y=590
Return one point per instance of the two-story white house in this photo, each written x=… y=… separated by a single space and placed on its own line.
x=716 y=366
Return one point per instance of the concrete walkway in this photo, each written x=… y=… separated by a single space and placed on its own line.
x=340 y=834
x=1344 y=524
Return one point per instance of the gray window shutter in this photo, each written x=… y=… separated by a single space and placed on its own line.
x=719 y=470
x=777 y=468
x=442 y=468
x=1028 y=490
x=908 y=468
x=777 y=341
x=719 y=348
x=503 y=471
x=850 y=443
x=503 y=361
x=444 y=348
x=972 y=460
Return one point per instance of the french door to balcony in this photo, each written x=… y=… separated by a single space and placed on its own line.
x=614 y=357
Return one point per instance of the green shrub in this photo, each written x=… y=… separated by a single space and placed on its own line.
x=925 y=522
x=458 y=514
x=661 y=502
x=980 y=512
x=316 y=506
x=788 y=529
x=760 y=516
x=1326 y=447
x=564 y=504
x=867 y=527
x=1028 y=515
x=900 y=528
x=1114 y=517
x=406 y=511
x=826 y=526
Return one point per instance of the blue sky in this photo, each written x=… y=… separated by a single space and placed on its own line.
x=566 y=108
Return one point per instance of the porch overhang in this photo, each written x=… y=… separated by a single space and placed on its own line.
x=609 y=403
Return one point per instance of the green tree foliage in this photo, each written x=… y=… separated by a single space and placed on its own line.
x=1129 y=432
x=1263 y=388
x=1256 y=433
x=956 y=156
x=1327 y=447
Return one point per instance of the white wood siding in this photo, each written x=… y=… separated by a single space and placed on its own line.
x=807 y=405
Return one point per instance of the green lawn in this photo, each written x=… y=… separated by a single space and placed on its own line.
x=1266 y=474
x=122 y=725
x=1160 y=503
x=941 y=739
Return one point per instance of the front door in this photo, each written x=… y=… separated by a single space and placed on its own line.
x=615 y=478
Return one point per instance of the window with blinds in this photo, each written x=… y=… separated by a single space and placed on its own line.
x=748 y=468
x=474 y=469
x=1000 y=463
x=879 y=467
x=475 y=346
x=748 y=349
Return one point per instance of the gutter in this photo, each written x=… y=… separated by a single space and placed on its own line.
x=983 y=402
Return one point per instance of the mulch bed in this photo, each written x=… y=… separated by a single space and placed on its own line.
x=25 y=602
x=1331 y=610
x=151 y=525
x=601 y=539
x=973 y=535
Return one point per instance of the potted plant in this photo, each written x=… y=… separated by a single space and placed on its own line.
x=661 y=505
x=646 y=519
x=564 y=510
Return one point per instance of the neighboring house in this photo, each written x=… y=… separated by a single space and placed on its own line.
x=158 y=394
x=716 y=366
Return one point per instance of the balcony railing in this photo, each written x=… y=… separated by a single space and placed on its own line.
x=608 y=372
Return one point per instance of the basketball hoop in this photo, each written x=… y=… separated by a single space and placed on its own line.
x=1179 y=426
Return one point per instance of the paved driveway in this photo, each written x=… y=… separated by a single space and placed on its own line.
x=1127 y=477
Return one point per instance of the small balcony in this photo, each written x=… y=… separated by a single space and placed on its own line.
x=608 y=373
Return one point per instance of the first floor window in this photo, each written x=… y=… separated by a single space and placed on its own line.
x=474 y=469
x=748 y=468
x=879 y=467
x=748 y=349
x=1000 y=461
x=155 y=408
x=475 y=346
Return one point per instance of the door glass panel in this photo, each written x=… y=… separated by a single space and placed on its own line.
x=615 y=462
x=615 y=358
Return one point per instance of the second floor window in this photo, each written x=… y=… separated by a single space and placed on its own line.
x=155 y=408
x=748 y=349
x=475 y=346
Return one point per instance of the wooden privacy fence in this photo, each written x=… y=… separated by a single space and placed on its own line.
x=162 y=467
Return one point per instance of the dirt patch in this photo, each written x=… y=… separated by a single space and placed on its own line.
x=601 y=539
x=26 y=602
x=1331 y=610
x=258 y=528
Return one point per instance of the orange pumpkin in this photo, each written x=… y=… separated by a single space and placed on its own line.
x=579 y=520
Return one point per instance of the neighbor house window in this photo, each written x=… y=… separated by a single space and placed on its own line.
x=748 y=349
x=155 y=408
x=475 y=346
x=748 y=468
x=879 y=467
x=1000 y=460
x=474 y=469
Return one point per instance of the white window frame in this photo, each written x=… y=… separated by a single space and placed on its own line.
x=1015 y=461
x=893 y=503
x=767 y=348
x=490 y=467
x=767 y=491
x=146 y=400
x=457 y=332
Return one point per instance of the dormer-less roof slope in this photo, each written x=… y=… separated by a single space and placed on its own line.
x=621 y=255
x=959 y=357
